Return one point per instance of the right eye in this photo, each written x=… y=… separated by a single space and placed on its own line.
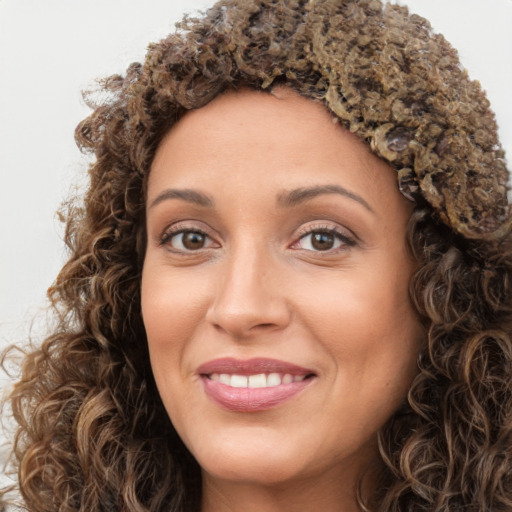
x=187 y=240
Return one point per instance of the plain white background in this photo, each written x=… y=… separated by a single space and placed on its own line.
x=50 y=50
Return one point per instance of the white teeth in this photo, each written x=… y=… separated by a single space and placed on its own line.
x=224 y=378
x=273 y=379
x=239 y=381
x=260 y=380
x=287 y=379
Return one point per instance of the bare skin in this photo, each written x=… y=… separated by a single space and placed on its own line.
x=274 y=233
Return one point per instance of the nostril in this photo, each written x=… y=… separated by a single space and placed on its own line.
x=247 y=315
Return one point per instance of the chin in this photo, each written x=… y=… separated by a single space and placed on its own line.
x=256 y=457
x=252 y=470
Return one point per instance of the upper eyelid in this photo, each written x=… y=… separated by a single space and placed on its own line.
x=332 y=228
x=181 y=227
x=187 y=225
x=168 y=234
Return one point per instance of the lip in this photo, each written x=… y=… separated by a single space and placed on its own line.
x=251 y=366
x=252 y=399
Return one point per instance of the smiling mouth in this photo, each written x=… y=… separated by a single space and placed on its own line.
x=253 y=385
x=260 y=380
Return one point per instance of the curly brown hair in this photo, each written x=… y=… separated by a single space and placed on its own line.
x=92 y=432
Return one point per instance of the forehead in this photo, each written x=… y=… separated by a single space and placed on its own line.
x=247 y=139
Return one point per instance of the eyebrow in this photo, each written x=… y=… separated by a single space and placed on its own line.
x=191 y=196
x=286 y=199
x=294 y=197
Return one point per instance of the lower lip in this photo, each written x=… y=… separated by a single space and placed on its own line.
x=252 y=399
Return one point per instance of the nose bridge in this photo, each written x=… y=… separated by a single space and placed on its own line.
x=247 y=294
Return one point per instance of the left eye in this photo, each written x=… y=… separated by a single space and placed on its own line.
x=321 y=241
x=189 y=241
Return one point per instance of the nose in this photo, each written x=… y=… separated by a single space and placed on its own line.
x=249 y=296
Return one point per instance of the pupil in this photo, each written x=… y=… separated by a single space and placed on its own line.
x=193 y=240
x=323 y=241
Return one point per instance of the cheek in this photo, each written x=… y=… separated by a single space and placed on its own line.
x=360 y=304
x=366 y=323
x=172 y=308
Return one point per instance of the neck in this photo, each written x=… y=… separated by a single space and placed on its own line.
x=328 y=493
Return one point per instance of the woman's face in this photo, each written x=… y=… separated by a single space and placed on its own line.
x=275 y=290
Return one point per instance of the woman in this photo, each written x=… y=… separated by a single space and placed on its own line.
x=255 y=315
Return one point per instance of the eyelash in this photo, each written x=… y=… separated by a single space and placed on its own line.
x=346 y=241
x=172 y=232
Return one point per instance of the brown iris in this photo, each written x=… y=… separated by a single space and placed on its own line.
x=193 y=240
x=322 y=241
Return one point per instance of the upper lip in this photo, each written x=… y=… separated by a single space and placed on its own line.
x=252 y=366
